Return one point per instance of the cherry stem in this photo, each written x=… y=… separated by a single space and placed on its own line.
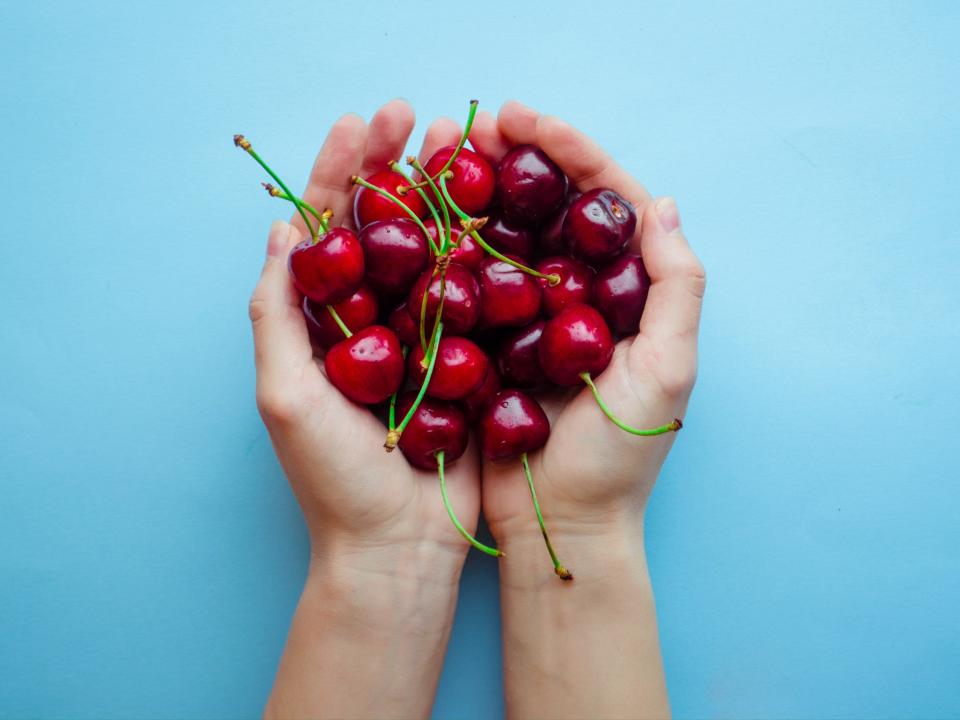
x=393 y=436
x=445 y=243
x=321 y=217
x=241 y=142
x=392 y=412
x=558 y=567
x=395 y=166
x=340 y=323
x=423 y=309
x=673 y=426
x=453 y=516
x=469 y=226
x=463 y=138
x=357 y=180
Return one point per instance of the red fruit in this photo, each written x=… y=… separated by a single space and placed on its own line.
x=474 y=403
x=460 y=369
x=620 y=292
x=473 y=181
x=357 y=312
x=576 y=282
x=530 y=185
x=369 y=205
x=598 y=225
x=435 y=426
x=513 y=423
x=507 y=237
x=576 y=340
x=329 y=270
x=461 y=305
x=508 y=297
x=368 y=366
x=518 y=358
x=551 y=237
x=466 y=252
x=395 y=253
x=402 y=324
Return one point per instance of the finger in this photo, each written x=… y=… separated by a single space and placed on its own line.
x=339 y=158
x=442 y=132
x=486 y=139
x=389 y=131
x=518 y=123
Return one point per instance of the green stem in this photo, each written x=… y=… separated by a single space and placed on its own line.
x=434 y=341
x=357 y=180
x=278 y=193
x=395 y=166
x=336 y=318
x=463 y=138
x=673 y=426
x=445 y=244
x=453 y=516
x=558 y=567
x=392 y=413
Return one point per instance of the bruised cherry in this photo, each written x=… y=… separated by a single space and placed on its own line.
x=598 y=225
x=473 y=181
x=460 y=369
x=330 y=269
x=530 y=185
x=395 y=253
x=369 y=205
x=436 y=425
x=508 y=297
x=508 y=237
x=513 y=423
x=574 y=341
x=357 y=312
x=366 y=367
x=620 y=292
x=576 y=282
x=518 y=358
x=461 y=304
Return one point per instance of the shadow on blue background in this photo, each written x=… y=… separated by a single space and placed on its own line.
x=803 y=538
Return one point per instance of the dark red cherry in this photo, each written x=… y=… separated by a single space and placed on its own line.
x=460 y=369
x=357 y=312
x=461 y=305
x=395 y=253
x=620 y=292
x=465 y=251
x=507 y=237
x=474 y=403
x=513 y=423
x=576 y=340
x=598 y=225
x=576 y=282
x=551 y=236
x=369 y=205
x=436 y=425
x=329 y=270
x=518 y=359
x=473 y=181
x=508 y=297
x=403 y=325
x=530 y=185
x=368 y=366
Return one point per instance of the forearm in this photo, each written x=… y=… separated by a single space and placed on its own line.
x=586 y=648
x=368 y=637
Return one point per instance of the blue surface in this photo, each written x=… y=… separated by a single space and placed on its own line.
x=804 y=538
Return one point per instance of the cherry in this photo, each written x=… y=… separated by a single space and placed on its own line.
x=620 y=292
x=465 y=250
x=551 y=236
x=513 y=423
x=508 y=297
x=575 y=341
x=357 y=312
x=435 y=426
x=461 y=304
x=461 y=368
x=576 y=281
x=530 y=185
x=369 y=205
x=395 y=252
x=367 y=367
x=403 y=325
x=518 y=358
x=474 y=403
x=473 y=181
x=330 y=269
x=507 y=237
x=598 y=224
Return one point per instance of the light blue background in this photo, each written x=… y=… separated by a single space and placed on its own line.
x=804 y=536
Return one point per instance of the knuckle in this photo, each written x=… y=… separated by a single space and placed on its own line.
x=695 y=274
x=677 y=381
x=257 y=308
x=276 y=406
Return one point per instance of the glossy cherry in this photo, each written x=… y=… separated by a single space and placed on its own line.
x=473 y=182
x=513 y=423
x=518 y=358
x=436 y=425
x=369 y=205
x=508 y=237
x=368 y=366
x=508 y=297
x=466 y=252
x=576 y=283
x=474 y=403
x=575 y=341
x=551 y=236
x=403 y=325
x=357 y=312
x=460 y=369
x=530 y=185
x=598 y=225
x=461 y=304
x=330 y=269
x=620 y=293
x=395 y=252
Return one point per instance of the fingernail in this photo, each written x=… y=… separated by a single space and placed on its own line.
x=668 y=214
x=277 y=240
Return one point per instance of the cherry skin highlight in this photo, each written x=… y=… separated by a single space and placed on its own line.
x=507 y=237
x=508 y=297
x=357 y=312
x=465 y=250
x=368 y=366
x=518 y=358
x=598 y=225
x=620 y=293
x=329 y=270
x=474 y=403
x=369 y=205
x=576 y=282
x=461 y=304
x=530 y=185
x=576 y=340
x=460 y=369
x=395 y=253
x=513 y=423
x=436 y=425
x=473 y=182
x=403 y=325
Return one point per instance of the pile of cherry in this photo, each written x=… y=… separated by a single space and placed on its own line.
x=467 y=288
